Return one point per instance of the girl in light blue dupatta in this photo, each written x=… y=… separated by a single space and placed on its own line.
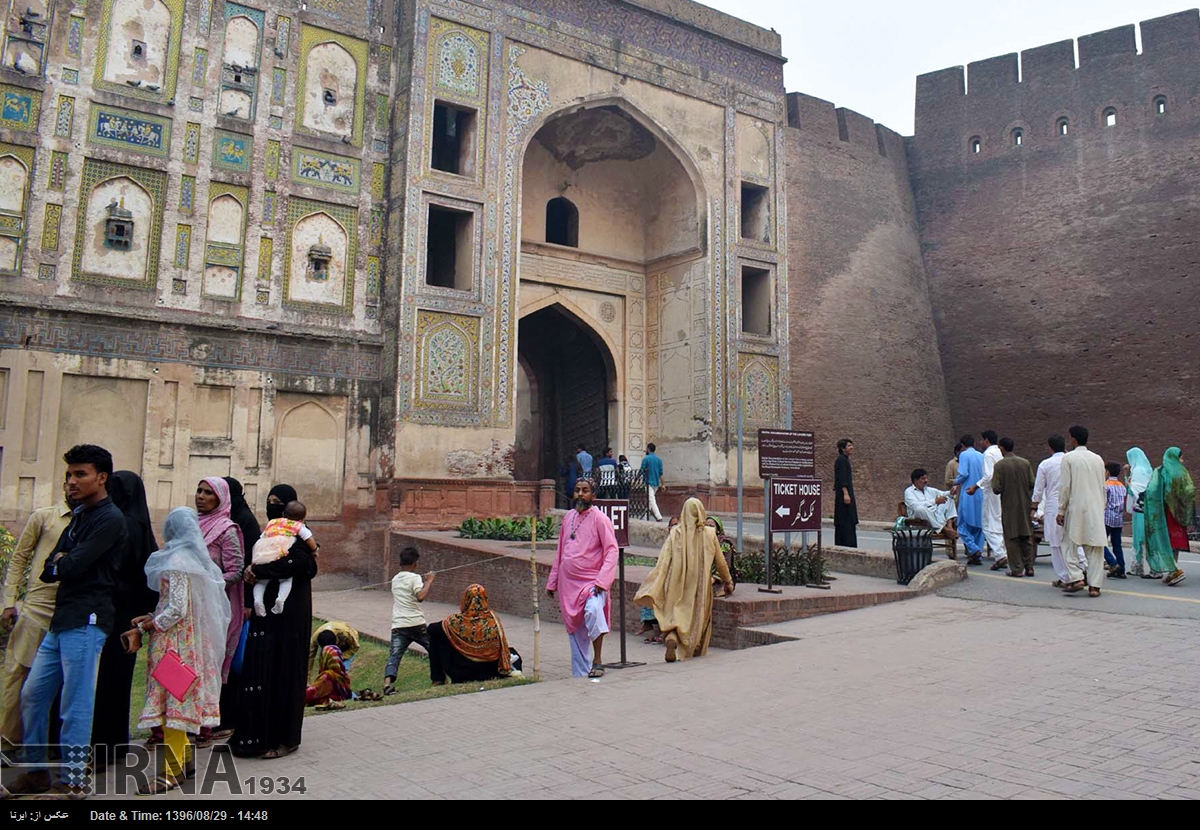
x=1137 y=478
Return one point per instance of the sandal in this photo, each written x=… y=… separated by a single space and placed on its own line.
x=389 y=690
x=1014 y=574
x=204 y=741
x=368 y=694
x=1074 y=587
x=279 y=752
x=1029 y=572
x=158 y=785
x=1093 y=592
x=657 y=638
x=597 y=671
x=672 y=644
x=1058 y=583
x=222 y=734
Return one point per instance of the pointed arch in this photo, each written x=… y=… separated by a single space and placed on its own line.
x=631 y=109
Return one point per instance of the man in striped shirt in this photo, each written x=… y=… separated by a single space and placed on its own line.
x=1114 y=520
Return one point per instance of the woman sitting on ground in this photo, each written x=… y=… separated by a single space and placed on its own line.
x=469 y=645
x=332 y=685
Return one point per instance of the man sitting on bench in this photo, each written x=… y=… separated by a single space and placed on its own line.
x=931 y=505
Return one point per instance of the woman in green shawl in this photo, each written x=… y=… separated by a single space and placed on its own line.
x=1138 y=473
x=1170 y=503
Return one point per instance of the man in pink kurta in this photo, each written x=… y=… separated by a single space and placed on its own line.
x=583 y=573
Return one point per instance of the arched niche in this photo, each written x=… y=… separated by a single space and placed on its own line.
x=14 y=182
x=241 y=42
x=226 y=220
x=14 y=185
x=139 y=39
x=638 y=196
x=100 y=257
x=310 y=450
x=315 y=237
x=330 y=84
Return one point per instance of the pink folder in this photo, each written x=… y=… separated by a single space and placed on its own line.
x=176 y=676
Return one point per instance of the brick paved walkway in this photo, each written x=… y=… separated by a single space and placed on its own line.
x=931 y=698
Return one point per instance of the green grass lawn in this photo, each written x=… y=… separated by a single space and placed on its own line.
x=366 y=672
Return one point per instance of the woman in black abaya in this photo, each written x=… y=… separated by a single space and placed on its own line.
x=270 y=710
x=243 y=517
x=132 y=598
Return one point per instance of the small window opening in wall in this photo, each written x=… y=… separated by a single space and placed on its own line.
x=1062 y=127
x=453 y=140
x=1110 y=117
x=329 y=97
x=562 y=222
x=976 y=145
x=1160 y=105
x=138 y=50
x=756 y=212
x=237 y=79
x=450 y=248
x=756 y=300
x=1018 y=137
x=118 y=227
x=319 y=256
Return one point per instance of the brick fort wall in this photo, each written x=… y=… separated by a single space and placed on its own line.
x=1065 y=270
x=865 y=361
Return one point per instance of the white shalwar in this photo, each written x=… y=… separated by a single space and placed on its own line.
x=993 y=526
x=922 y=504
x=594 y=625
x=1045 y=496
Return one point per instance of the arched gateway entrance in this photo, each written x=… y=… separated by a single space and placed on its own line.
x=611 y=228
x=565 y=391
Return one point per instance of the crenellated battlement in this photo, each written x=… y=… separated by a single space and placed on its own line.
x=1036 y=89
x=820 y=120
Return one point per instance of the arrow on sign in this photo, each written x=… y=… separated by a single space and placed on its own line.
x=783 y=512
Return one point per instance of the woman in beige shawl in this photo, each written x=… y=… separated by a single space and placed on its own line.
x=680 y=589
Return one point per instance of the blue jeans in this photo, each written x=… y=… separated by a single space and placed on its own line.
x=401 y=638
x=1115 y=556
x=67 y=661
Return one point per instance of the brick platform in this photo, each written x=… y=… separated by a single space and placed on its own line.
x=504 y=568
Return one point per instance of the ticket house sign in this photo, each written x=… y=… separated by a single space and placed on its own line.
x=785 y=452
x=795 y=504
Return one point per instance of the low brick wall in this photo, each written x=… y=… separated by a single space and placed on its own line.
x=507 y=579
x=505 y=571
x=732 y=620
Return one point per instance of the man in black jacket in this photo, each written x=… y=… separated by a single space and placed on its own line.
x=84 y=565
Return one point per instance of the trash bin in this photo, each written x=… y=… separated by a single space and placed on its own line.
x=913 y=549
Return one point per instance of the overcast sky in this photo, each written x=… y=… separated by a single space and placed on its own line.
x=866 y=54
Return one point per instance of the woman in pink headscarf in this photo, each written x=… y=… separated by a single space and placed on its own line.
x=225 y=545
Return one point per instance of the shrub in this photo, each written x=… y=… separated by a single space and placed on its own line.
x=805 y=566
x=516 y=529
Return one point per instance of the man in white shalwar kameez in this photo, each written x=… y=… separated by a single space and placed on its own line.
x=1045 y=494
x=1081 y=505
x=993 y=527
x=930 y=504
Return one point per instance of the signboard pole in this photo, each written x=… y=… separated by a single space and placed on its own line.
x=768 y=538
x=740 y=434
x=787 y=537
x=617 y=511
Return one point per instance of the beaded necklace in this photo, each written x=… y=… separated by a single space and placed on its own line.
x=578 y=520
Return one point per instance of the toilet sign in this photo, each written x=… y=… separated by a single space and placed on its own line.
x=617 y=511
x=795 y=504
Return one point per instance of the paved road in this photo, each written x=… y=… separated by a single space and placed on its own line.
x=1132 y=596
